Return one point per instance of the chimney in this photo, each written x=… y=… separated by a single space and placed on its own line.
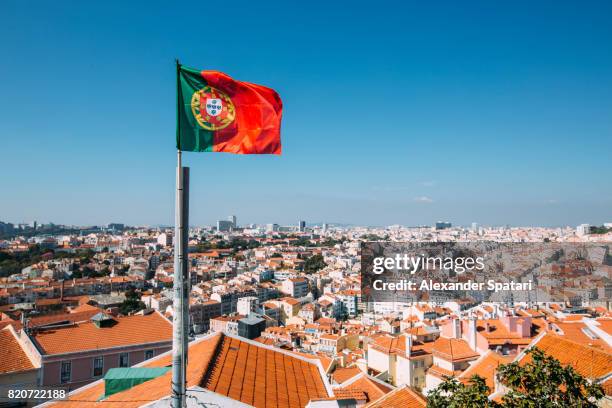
x=408 y=343
x=472 y=334
x=456 y=322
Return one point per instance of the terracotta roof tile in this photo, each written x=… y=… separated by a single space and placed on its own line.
x=343 y=374
x=486 y=367
x=372 y=388
x=350 y=394
x=588 y=361
x=246 y=371
x=453 y=349
x=262 y=377
x=404 y=397
x=441 y=372
x=12 y=356
x=577 y=331
x=137 y=329
x=74 y=317
x=605 y=324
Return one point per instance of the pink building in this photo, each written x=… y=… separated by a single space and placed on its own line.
x=76 y=354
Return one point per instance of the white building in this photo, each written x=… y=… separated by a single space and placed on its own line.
x=247 y=304
x=583 y=229
x=295 y=287
x=164 y=239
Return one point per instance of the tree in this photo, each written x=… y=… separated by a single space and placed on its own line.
x=132 y=302
x=314 y=264
x=302 y=241
x=122 y=270
x=542 y=382
x=454 y=394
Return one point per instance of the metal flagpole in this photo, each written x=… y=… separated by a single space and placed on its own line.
x=181 y=281
x=181 y=287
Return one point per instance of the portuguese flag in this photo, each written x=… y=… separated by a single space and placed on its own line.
x=216 y=113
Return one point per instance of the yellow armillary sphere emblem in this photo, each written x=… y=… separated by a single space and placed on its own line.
x=212 y=108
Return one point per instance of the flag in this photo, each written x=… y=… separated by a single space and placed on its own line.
x=216 y=113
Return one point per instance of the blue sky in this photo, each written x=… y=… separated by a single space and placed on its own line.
x=395 y=112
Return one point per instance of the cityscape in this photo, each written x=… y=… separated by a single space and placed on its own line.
x=276 y=316
x=312 y=204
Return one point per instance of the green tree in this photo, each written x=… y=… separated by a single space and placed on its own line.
x=600 y=230
x=302 y=241
x=542 y=382
x=454 y=394
x=314 y=264
x=132 y=302
x=122 y=270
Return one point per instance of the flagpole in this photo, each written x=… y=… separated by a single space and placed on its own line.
x=181 y=274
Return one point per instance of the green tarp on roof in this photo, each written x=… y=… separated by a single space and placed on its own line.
x=121 y=379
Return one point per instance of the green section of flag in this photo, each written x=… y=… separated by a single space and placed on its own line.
x=190 y=136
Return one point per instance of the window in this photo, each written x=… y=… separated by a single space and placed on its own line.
x=66 y=372
x=98 y=366
x=124 y=360
x=148 y=354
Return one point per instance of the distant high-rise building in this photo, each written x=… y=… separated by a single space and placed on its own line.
x=302 y=226
x=6 y=228
x=232 y=219
x=440 y=225
x=224 y=226
x=583 y=229
x=115 y=226
x=474 y=227
x=164 y=239
x=271 y=227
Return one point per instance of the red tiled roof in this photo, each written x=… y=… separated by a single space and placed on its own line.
x=76 y=317
x=240 y=369
x=350 y=394
x=486 y=367
x=397 y=345
x=326 y=362
x=441 y=372
x=12 y=356
x=404 y=397
x=284 y=380
x=588 y=361
x=605 y=324
x=343 y=374
x=372 y=388
x=453 y=349
x=577 y=331
x=130 y=330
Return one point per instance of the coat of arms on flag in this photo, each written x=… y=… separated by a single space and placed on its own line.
x=212 y=109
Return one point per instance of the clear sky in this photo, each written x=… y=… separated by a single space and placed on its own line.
x=395 y=112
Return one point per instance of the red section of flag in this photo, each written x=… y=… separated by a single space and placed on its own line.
x=256 y=128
